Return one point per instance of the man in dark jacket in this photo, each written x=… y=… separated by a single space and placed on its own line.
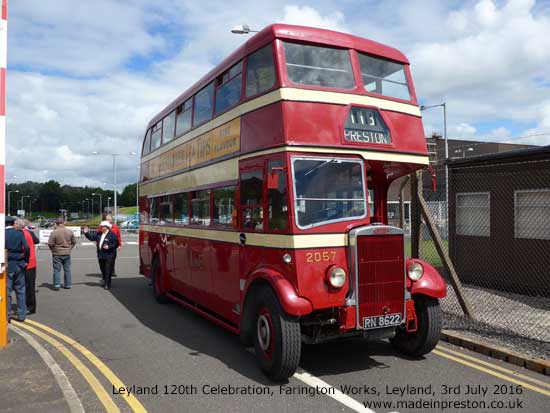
x=107 y=244
x=18 y=257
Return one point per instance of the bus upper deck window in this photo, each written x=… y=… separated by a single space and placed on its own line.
x=147 y=143
x=168 y=127
x=204 y=102
x=183 y=117
x=319 y=66
x=156 y=135
x=260 y=71
x=384 y=77
x=228 y=91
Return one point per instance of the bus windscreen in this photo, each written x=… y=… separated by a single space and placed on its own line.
x=328 y=190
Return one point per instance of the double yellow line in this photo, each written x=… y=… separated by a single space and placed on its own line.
x=40 y=330
x=503 y=373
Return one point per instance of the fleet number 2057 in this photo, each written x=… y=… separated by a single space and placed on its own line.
x=320 y=256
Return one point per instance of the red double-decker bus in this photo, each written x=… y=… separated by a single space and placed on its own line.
x=263 y=197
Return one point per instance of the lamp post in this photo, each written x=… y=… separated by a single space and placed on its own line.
x=114 y=155
x=22 y=199
x=108 y=204
x=137 y=189
x=242 y=29
x=444 y=106
x=9 y=197
x=100 y=202
x=31 y=200
x=87 y=207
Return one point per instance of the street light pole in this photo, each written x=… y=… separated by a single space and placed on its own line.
x=9 y=196
x=444 y=106
x=100 y=202
x=137 y=189
x=242 y=29
x=30 y=208
x=21 y=200
x=114 y=185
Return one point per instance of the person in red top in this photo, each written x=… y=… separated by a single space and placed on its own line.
x=116 y=230
x=30 y=270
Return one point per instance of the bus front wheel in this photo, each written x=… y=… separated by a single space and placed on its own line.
x=277 y=338
x=426 y=337
x=156 y=279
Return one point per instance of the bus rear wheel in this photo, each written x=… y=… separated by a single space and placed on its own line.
x=426 y=337
x=156 y=278
x=277 y=338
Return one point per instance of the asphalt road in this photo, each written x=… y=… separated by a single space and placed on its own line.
x=183 y=357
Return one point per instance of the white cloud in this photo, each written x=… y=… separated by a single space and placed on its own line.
x=462 y=130
x=308 y=16
x=498 y=135
x=499 y=45
x=80 y=38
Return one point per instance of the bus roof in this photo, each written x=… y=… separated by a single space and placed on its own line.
x=288 y=32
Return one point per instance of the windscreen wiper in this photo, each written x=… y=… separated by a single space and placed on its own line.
x=319 y=166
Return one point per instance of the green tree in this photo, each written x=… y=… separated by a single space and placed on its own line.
x=50 y=196
x=128 y=196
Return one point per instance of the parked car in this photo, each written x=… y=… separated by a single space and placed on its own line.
x=130 y=224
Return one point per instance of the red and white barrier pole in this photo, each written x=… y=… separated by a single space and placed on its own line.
x=3 y=263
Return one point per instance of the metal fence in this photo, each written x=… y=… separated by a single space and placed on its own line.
x=496 y=230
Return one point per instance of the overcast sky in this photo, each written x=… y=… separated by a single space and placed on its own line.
x=87 y=76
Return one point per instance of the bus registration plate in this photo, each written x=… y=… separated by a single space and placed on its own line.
x=381 y=321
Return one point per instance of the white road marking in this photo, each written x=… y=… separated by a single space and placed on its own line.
x=132 y=243
x=68 y=391
x=88 y=243
x=313 y=381
x=340 y=397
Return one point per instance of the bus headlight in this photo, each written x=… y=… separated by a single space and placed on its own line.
x=336 y=276
x=415 y=271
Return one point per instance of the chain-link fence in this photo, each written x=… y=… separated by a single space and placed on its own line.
x=496 y=231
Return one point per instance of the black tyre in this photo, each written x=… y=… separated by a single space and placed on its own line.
x=277 y=338
x=426 y=337
x=156 y=279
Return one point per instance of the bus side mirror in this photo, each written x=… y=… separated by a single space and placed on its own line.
x=273 y=177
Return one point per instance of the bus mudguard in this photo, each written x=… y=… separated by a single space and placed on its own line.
x=288 y=298
x=431 y=283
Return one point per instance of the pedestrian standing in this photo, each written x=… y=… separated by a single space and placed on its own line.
x=116 y=230
x=61 y=243
x=30 y=271
x=18 y=257
x=107 y=244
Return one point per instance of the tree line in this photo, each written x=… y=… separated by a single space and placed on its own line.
x=51 y=196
